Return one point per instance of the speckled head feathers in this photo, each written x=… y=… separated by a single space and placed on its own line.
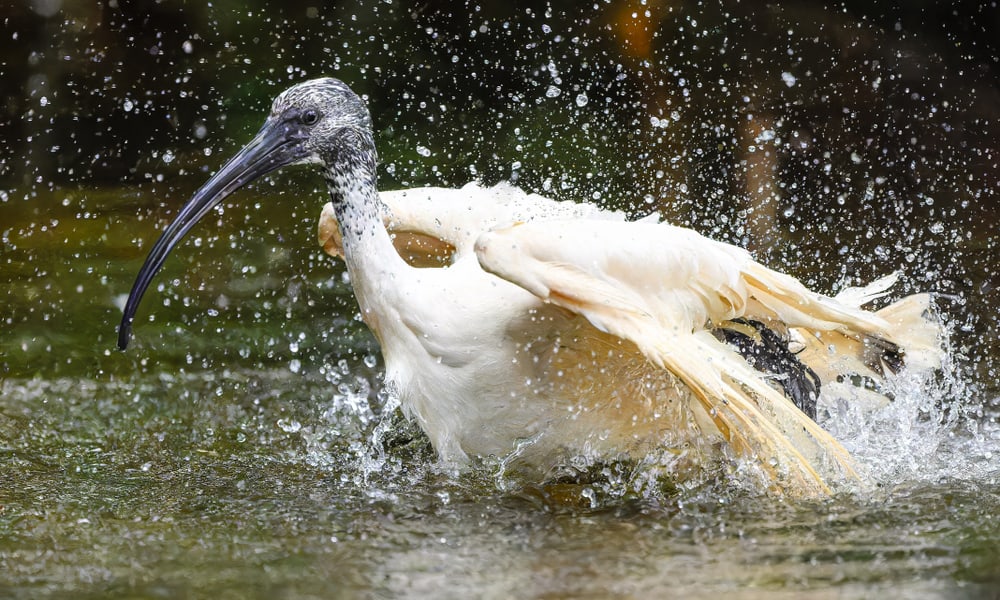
x=332 y=123
x=337 y=104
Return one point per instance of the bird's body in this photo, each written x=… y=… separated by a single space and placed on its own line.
x=494 y=361
x=556 y=330
x=484 y=366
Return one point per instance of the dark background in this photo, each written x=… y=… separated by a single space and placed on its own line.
x=838 y=141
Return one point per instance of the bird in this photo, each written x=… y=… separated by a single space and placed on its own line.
x=538 y=331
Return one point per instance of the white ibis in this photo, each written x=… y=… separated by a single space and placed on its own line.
x=556 y=330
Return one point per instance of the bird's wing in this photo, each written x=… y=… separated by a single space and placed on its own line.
x=416 y=248
x=430 y=225
x=458 y=216
x=658 y=287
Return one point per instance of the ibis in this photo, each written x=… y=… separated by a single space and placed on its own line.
x=538 y=332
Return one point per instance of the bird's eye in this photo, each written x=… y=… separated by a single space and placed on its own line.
x=310 y=117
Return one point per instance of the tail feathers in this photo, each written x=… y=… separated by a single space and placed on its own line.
x=833 y=355
x=796 y=306
x=757 y=420
x=917 y=330
x=859 y=364
x=839 y=337
x=914 y=333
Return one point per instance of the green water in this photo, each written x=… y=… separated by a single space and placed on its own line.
x=229 y=452
x=236 y=449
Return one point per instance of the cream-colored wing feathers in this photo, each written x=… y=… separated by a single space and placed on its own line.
x=679 y=278
x=458 y=216
x=658 y=287
x=447 y=221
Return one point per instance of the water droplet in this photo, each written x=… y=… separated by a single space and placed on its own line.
x=788 y=78
x=128 y=106
x=289 y=425
x=423 y=151
x=552 y=92
x=581 y=100
x=765 y=136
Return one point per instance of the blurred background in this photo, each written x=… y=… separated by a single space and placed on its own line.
x=228 y=451
x=837 y=141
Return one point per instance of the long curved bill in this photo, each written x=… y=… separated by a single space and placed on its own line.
x=274 y=146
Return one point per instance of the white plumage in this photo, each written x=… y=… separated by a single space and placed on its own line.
x=538 y=331
x=564 y=324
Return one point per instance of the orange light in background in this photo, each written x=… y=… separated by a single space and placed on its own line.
x=634 y=24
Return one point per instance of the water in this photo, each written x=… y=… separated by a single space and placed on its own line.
x=140 y=489
x=244 y=445
x=202 y=464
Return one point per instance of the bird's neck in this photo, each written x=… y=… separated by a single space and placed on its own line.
x=371 y=259
x=350 y=176
x=356 y=203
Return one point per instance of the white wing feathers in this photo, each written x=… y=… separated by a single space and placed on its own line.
x=458 y=216
x=659 y=286
x=797 y=306
x=859 y=296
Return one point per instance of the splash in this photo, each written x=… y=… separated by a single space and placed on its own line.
x=933 y=430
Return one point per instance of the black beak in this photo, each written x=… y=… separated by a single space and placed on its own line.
x=278 y=143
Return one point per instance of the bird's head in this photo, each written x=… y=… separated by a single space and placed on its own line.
x=320 y=121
